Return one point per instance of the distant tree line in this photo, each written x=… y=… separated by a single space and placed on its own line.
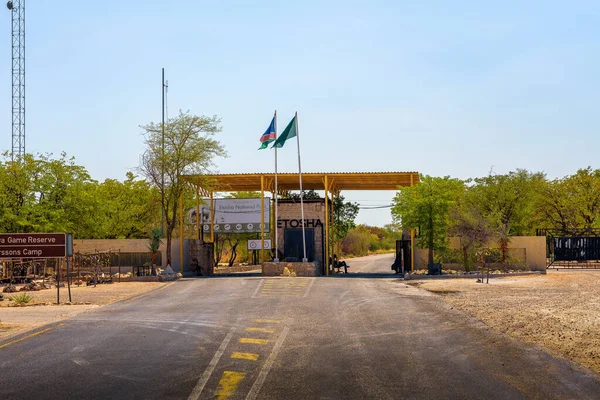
x=497 y=207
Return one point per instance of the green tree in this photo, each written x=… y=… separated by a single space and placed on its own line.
x=344 y=215
x=357 y=241
x=45 y=194
x=189 y=149
x=426 y=206
x=570 y=203
x=308 y=194
x=128 y=209
x=508 y=201
x=474 y=229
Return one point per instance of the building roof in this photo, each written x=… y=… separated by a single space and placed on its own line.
x=337 y=181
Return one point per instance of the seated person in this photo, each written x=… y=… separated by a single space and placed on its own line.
x=340 y=264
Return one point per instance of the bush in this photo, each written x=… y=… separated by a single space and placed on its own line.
x=22 y=298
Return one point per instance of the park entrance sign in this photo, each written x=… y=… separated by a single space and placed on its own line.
x=35 y=245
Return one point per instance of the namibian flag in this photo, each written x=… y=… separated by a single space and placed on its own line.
x=268 y=136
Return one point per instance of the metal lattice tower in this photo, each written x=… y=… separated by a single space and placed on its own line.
x=17 y=8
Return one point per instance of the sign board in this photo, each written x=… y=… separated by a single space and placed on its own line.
x=254 y=244
x=234 y=216
x=33 y=245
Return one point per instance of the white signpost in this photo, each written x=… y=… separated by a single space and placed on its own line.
x=254 y=244
x=234 y=216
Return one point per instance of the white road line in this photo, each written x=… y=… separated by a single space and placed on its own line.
x=309 y=287
x=260 y=284
x=211 y=367
x=253 y=394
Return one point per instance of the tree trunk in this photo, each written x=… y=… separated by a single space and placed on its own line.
x=233 y=255
x=169 y=234
x=465 y=258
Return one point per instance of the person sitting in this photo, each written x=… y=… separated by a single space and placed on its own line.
x=339 y=264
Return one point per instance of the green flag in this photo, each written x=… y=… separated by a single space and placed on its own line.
x=288 y=133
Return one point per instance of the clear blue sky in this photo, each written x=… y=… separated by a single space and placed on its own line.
x=439 y=87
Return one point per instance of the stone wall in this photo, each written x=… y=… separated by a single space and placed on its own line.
x=313 y=210
x=203 y=252
x=295 y=269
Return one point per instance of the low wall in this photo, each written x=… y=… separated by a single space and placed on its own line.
x=299 y=268
x=531 y=251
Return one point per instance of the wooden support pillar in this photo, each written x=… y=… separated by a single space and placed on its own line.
x=262 y=219
x=198 y=226
x=326 y=260
x=181 y=233
x=412 y=239
x=212 y=218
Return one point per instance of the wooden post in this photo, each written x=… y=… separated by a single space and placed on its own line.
x=68 y=280
x=212 y=218
x=262 y=219
x=412 y=239
x=198 y=227
x=57 y=282
x=181 y=233
x=326 y=260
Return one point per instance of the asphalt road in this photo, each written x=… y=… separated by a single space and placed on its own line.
x=281 y=338
x=378 y=264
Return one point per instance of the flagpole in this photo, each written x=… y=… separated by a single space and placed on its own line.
x=301 y=191
x=276 y=259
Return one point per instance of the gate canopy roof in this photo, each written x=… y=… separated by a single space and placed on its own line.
x=337 y=181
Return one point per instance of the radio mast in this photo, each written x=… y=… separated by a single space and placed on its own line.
x=17 y=8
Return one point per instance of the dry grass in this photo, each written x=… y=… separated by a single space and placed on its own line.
x=15 y=320
x=99 y=295
x=560 y=310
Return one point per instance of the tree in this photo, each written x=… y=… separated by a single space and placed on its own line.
x=189 y=149
x=344 y=215
x=154 y=243
x=426 y=206
x=507 y=200
x=570 y=203
x=45 y=194
x=474 y=229
x=128 y=209
x=357 y=241
x=310 y=194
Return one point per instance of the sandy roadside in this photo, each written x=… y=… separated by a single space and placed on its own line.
x=16 y=320
x=560 y=310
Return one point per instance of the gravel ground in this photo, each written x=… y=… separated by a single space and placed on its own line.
x=15 y=320
x=560 y=310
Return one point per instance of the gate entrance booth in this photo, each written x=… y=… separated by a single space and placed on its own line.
x=318 y=213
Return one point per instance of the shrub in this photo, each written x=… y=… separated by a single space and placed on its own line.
x=22 y=298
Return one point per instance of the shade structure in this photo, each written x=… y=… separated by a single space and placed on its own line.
x=337 y=181
x=330 y=182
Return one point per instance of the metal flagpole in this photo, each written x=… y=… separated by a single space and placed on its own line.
x=276 y=259
x=301 y=191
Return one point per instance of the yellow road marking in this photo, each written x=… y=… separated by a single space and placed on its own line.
x=228 y=384
x=267 y=321
x=28 y=336
x=253 y=341
x=260 y=330
x=245 y=356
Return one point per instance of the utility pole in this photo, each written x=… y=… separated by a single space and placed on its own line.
x=17 y=8
x=162 y=160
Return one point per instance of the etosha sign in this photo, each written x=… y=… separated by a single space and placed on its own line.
x=34 y=245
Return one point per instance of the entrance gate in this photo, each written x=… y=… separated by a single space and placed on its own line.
x=403 y=259
x=578 y=249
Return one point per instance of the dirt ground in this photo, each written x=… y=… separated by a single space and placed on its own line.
x=14 y=320
x=559 y=311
